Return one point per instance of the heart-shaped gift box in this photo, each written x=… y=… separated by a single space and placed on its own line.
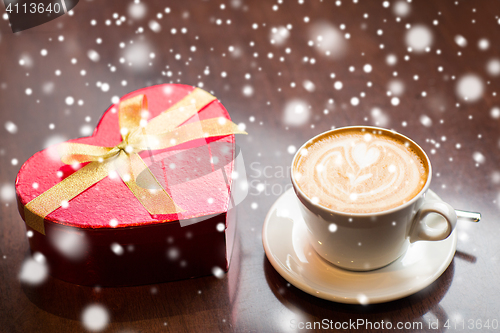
x=145 y=199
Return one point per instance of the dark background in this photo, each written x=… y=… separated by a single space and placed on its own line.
x=252 y=297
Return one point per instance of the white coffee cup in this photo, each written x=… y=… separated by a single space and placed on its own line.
x=367 y=241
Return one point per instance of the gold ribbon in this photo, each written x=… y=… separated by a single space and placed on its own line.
x=163 y=131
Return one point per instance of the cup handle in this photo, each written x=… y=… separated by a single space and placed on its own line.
x=421 y=231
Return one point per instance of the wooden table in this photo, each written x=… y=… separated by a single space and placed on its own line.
x=227 y=47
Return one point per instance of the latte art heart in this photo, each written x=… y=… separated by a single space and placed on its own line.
x=356 y=172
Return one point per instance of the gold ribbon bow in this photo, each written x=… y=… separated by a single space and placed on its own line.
x=137 y=134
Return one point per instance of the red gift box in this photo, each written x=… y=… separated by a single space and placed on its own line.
x=106 y=235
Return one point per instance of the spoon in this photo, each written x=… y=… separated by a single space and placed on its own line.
x=468 y=216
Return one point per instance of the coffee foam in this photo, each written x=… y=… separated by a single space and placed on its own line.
x=357 y=171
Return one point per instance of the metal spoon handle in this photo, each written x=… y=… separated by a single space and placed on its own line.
x=468 y=216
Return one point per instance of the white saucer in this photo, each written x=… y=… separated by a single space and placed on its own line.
x=284 y=236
